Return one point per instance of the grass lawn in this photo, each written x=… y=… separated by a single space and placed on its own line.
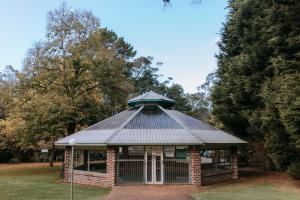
x=41 y=182
x=246 y=192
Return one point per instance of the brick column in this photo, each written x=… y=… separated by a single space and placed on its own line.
x=111 y=170
x=195 y=157
x=234 y=163
x=67 y=164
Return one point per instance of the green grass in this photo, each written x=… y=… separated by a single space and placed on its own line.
x=246 y=192
x=42 y=183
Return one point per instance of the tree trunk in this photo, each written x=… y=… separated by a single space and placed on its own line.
x=52 y=153
x=17 y=154
x=71 y=128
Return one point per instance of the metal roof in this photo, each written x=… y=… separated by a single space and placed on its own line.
x=216 y=137
x=93 y=137
x=153 y=118
x=151 y=125
x=154 y=137
x=113 y=122
x=188 y=121
x=151 y=98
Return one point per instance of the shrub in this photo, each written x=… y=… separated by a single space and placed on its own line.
x=14 y=161
x=294 y=170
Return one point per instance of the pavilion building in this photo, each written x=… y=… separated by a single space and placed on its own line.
x=151 y=143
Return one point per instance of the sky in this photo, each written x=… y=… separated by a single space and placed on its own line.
x=182 y=35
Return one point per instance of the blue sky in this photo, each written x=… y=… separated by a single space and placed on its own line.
x=182 y=36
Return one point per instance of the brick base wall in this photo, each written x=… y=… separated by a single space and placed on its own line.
x=107 y=179
x=92 y=178
x=195 y=157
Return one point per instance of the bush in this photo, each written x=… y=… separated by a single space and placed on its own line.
x=294 y=170
x=14 y=161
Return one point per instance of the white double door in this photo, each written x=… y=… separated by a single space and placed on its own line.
x=154 y=164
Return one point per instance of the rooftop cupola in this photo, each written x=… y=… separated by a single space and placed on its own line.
x=151 y=98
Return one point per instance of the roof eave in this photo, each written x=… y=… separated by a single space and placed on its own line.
x=81 y=144
x=154 y=144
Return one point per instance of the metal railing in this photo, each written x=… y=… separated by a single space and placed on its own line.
x=133 y=171
x=216 y=172
x=177 y=171
x=130 y=171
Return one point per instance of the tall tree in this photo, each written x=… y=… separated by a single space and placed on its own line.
x=257 y=64
x=200 y=101
x=176 y=92
x=281 y=91
x=145 y=76
x=9 y=141
x=78 y=75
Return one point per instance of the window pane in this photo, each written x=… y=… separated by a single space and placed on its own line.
x=206 y=156
x=136 y=150
x=169 y=151
x=181 y=152
x=92 y=160
x=80 y=160
x=97 y=161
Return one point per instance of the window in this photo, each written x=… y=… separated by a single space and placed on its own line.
x=90 y=160
x=97 y=161
x=136 y=150
x=175 y=152
x=169 y=151
x=215 y=156
x=181 y=152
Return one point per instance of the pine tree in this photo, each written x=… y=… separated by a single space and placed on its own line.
x=257 y=92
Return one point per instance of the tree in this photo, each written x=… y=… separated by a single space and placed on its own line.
x=78 y=75
x=256 y=94
x=176 y=92
x=200 y=101
x=9 y=142
x=145 y=77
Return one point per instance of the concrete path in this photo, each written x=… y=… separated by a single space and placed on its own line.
x=151 y=192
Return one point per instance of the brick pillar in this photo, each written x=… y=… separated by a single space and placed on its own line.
x=111 y=170
x=195 y=157
x=234 y=163
x=67 y=164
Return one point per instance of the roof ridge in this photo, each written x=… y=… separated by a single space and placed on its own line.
x=181 y=124
x=123 y=125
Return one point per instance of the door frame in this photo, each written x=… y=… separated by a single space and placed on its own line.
x=155 y=151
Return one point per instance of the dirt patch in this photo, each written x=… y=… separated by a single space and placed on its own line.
x=279 y=179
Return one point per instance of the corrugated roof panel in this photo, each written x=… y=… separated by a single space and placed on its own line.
x=217 y=137
x=153 y=118
x=88 y=137
x=150 y=96
x=153 y=136
x=189 y=122
x=113 y=122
